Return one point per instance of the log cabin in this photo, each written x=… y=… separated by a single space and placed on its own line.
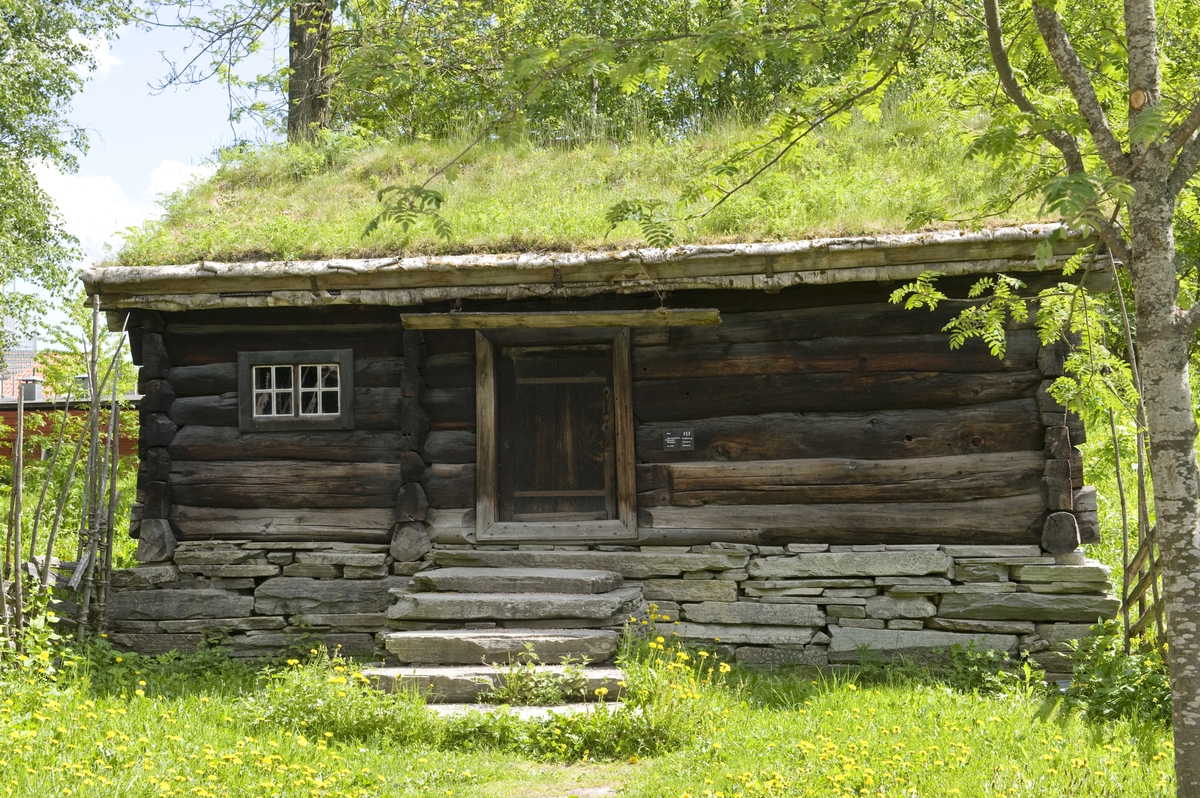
x=440 y=460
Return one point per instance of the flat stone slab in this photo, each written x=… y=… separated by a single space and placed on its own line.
x=156 y=643
x=1028 y=607
x=763 y=657
x=143 y=577
x=630 y=564
x=787 y=584
x=535 y=713
x=513 y=606
x=739 y=612
x=347 y=622
x=178 y=604
x=1059 y=633
x=359 y=558
x=188 y=553
x=518 y=580
x=888 y=608
x=981 y=627
x=712 y=633
x=255 y=623
x=680 y=590
x=992 y=551
x=851 y=644
x=852 y=564
x=1092 y=572
x=246 y=570
x=466 y=685
x=473 y=646
x=291 y=595
x=256 y=645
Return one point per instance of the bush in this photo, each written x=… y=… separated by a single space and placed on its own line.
x=1109 y=683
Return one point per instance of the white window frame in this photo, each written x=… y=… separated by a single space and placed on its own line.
x=248 y=391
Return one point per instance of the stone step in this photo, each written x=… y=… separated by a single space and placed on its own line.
x=517 y=580
x=513 y=606
x=467 y=685
x=630 y=564
x=475 y=646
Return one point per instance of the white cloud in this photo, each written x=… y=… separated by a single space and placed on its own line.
x=94 y=208
x=172 y=175
x=102 y=53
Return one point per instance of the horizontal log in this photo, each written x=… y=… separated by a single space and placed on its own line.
x=1010 y=520
x=449 y=408
x=218 y=378
x=881 y=354
x=195 y=346
x=284 y=483
x=374 y=408
x=371 y=525
x=194 y=442
x=841 y=481
x=707 y=397
x=450 y=485
x=890 y=434
x=868 y=319
x=659 y=317
x=453 y=370
x=450 y=446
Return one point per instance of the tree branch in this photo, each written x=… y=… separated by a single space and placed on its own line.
x=1076 y=77
x=1191 y=319
x=1183 y=134
x=1185 y=166
x=1063 y=142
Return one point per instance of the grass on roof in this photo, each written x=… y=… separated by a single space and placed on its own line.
x=278 y=203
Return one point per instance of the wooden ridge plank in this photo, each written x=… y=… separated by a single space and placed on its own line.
x=662 y=317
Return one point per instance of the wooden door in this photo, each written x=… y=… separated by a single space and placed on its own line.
x=556 y=442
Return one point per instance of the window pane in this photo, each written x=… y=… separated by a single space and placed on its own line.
x=262 y=377
x=329 y=401
x=262 y=404
x=283 y=404
x=283 y=377
x=308 y=376
x=329 y=376
x=308 y=403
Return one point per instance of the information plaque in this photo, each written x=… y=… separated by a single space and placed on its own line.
x=680 y=439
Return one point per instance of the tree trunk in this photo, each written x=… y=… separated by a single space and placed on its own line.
x=1163 y=359
x=310 y=33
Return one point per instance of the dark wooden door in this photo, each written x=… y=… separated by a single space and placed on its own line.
x=556 y=458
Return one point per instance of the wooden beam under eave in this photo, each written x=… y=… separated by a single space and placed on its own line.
x=698 y=317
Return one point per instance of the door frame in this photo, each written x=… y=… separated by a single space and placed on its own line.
x=487 y=525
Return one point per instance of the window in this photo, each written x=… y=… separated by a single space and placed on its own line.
x=279 y=392
x=310 y=389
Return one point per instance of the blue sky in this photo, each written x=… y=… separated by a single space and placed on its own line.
x=142 y=143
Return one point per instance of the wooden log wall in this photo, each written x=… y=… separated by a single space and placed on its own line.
x=213 y=480
x=820 y=414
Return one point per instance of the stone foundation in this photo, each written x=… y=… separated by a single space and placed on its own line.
x=761 y=605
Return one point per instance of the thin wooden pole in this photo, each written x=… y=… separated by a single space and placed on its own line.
x=95 y=479
x=18 y=479
x=37 y=514
x=113 y=455
x=1112 y=422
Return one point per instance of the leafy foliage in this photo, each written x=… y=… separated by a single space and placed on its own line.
x=407 y=206
x=1110 y=683
x=44 y=52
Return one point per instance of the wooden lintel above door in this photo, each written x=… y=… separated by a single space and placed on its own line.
x=662 y=317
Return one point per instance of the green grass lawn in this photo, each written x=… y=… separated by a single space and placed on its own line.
x=277 y=202
x=121 y=725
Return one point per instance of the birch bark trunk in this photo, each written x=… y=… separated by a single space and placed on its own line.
x=1163 y=343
